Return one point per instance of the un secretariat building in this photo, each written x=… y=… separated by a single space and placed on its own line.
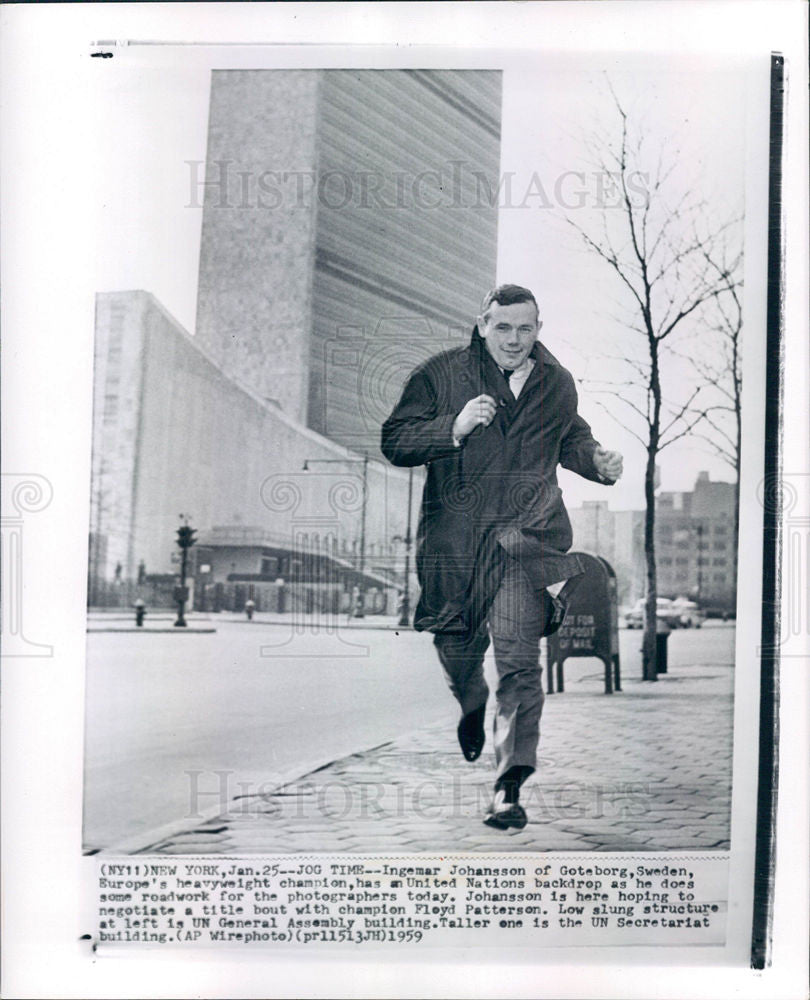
x=349 y=231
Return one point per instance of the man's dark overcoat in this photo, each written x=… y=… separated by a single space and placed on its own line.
x=495 y=494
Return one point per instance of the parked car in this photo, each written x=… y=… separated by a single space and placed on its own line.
x=667 y=612
x=691 y=615
x=634 y=617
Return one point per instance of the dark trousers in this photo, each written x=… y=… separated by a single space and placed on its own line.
x=515 y=622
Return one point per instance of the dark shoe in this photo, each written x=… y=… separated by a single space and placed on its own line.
x=471 y=735
x=507 y=816
x=559 y=604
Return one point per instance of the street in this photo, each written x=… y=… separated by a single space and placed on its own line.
x=179 y=725
x=159 y=706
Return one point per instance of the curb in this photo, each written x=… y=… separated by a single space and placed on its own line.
x=238 y=621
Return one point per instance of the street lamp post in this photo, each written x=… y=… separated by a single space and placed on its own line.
x=405 y=615
x=360 y=609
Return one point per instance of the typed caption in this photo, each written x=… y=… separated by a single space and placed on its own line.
x=334 y=901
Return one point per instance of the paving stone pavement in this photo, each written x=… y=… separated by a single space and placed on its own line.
x=647 y=769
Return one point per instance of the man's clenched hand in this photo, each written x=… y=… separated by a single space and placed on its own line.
x=608 y=464
x=480 y=410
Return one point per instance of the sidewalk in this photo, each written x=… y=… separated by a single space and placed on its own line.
x=122 y=620
x=314 y=620
x=647 y=769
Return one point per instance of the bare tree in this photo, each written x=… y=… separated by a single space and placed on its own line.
x=721 y=372
x=669 y=258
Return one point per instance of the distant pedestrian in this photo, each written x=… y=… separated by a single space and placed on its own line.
x=356 y=603
x=492 y=421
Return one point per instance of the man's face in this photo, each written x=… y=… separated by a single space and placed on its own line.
x=510 y=332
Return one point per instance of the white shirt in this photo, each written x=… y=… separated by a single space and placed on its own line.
x=519 y=376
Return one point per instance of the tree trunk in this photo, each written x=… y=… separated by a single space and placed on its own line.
x=738 y=455
x=649 y=659
x=649 y=664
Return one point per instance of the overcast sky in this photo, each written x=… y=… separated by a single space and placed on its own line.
x=152 y=121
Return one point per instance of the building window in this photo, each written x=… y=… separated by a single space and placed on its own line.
x=719 y=562
x=681 y=561
x=720 y=546
x=665 y=562
x=270 y=567
x=703 y=561
x=720 y=529
x=703 y=546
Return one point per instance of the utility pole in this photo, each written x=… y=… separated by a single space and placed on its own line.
x=405 y=616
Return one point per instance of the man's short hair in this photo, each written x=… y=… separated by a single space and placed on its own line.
x=508 y=295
